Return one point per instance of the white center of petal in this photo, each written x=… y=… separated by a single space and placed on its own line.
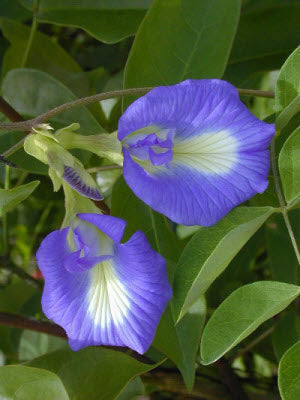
x=211 y=153
x=108 y=299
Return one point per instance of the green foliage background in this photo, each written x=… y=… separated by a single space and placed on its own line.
x=232 y=329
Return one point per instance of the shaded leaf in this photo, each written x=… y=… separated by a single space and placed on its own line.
x=182 y=39
x=24 y=383
x=286 y=333
x=288 y=83
x=106 y=372
x=282 y=258
x=108 y=21
x=133 y=389
x=32 y=92
x=35 y=344
x=13 y=9
x=10 y=198
x=289 y=374
x=210 y=251
x=267 y=33
x=241 y=313
x=45 y=54
x=289 y=167
x=180 y=342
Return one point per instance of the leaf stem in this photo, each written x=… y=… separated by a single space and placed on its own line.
x=4 y=217
x=31 y=35
x=18 y=271
x=93 y=170
x=13 y=149
x=282 y=203
x=9 y=111
x=252 y=344
x=33 y=324
x=29 y=124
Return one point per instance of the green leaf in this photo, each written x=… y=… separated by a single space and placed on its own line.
x=286 y=333
x=93 y=373
x=289 y=374
x=170 y=339
x=10 y=198
x=106 y=20
x=210 y=251
x=32 y=92
x=139 y=216
x=241 y=313
x=35 y=344
x=182 y=39
x=289 y=167
x=24 y=383
x=45 y=54
x=13 y=9
x=12 y=299
x=288 y=83
x=180 y=342
x=287 y=113
x=280 y=249
x=255 y=49
x=132 y=390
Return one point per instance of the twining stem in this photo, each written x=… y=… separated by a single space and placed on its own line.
x=18 y=271
x=29 y=124
x=93 y=170
x=4 y=217
x=252 y=344
x=9 y=111
x=13 y=149
x=282 y=201
x=32 y=324
x=31 y=35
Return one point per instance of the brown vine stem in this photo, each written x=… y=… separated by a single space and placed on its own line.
x=93 y=170
x=29 y=124
x=32 y=324
x=14 y=269
x=252 y=344
x=10 y=112
x=230 y=379
x=282 y=201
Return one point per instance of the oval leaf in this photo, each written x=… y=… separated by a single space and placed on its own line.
x=108 y=21
x=241 y=313
x=286 y=333
x=210 y=251
x=24 y=383
x=289 y=167
x=182 y=39
x=288 y=83
x=106 y=371
x=10 y=198
x=25 y=90
x=289 y=374
x=254 y=49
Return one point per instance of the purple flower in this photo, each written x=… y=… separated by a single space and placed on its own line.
x=193 y=151
x=101 y=291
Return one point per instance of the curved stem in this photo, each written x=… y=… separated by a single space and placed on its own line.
x=19 y=321
x=21 y=273
x=93 y=170
x=13 y=149
x=4 y=217
x=9 y=111
x=31 y=36
x=29 y=124
x=282 y=201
